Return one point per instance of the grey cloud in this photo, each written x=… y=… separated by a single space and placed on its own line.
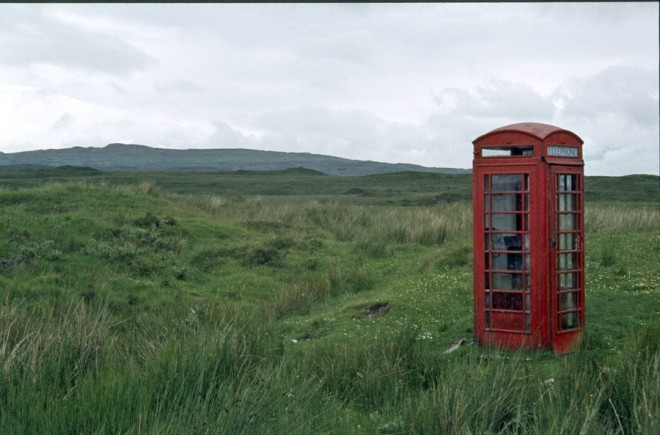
x=179 y=87
x=30 y=36
x=251 y=27
x=498 y=100
x=616 y=113
x=330 y=78
x=352 y=134
x=623 y=92
x=354 y=47
x=444 y=139
x=312 y=128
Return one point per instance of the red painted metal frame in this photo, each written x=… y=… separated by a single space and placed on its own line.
x=542 y=169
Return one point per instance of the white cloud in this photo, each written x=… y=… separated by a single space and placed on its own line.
x=36 y=119
x=226 y=136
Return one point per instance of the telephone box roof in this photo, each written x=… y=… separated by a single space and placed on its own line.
x=535 y=129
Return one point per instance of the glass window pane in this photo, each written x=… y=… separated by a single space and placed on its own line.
x=567 y=202
x=567 y=261
x=505 y=222
x=507 y=281
x=507 y=301
x=486 y=183
x=507 y=183
x=528 y=304
x=495 y=152
x=506 y=151
x=513 y=261
x=567 y=242
x=499 y=261
x=568 y=281
x=569 y=321
x=486 y=203
x=505 y=242
x=507 y=261
x=567 y=222
x=528 y=281
x=507 y=202
x=567 y=301
x=568 y=183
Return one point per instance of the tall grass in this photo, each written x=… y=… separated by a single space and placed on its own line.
x=516 y=395
x=384 y=225
x=221 y=375
x=58 y=344
x=608 y=218
x=212 y=362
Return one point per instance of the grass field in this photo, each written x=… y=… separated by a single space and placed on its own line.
x=295 y=302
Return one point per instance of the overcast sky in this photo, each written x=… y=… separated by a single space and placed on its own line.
x=399 y=83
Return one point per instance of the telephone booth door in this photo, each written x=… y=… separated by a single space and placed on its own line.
x=507 y=302
x=567 y=257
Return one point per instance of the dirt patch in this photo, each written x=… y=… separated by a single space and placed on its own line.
x=374 y=311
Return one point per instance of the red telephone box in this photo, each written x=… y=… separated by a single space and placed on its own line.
x=528 y=205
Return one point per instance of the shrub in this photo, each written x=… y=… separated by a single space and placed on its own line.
x=265 y=256
x=149 y=220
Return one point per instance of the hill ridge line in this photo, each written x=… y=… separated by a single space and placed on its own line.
x=136 y=157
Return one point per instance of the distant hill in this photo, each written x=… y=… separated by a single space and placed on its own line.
x=128 y=157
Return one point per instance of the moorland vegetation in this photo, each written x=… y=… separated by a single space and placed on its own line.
x=295 y=302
